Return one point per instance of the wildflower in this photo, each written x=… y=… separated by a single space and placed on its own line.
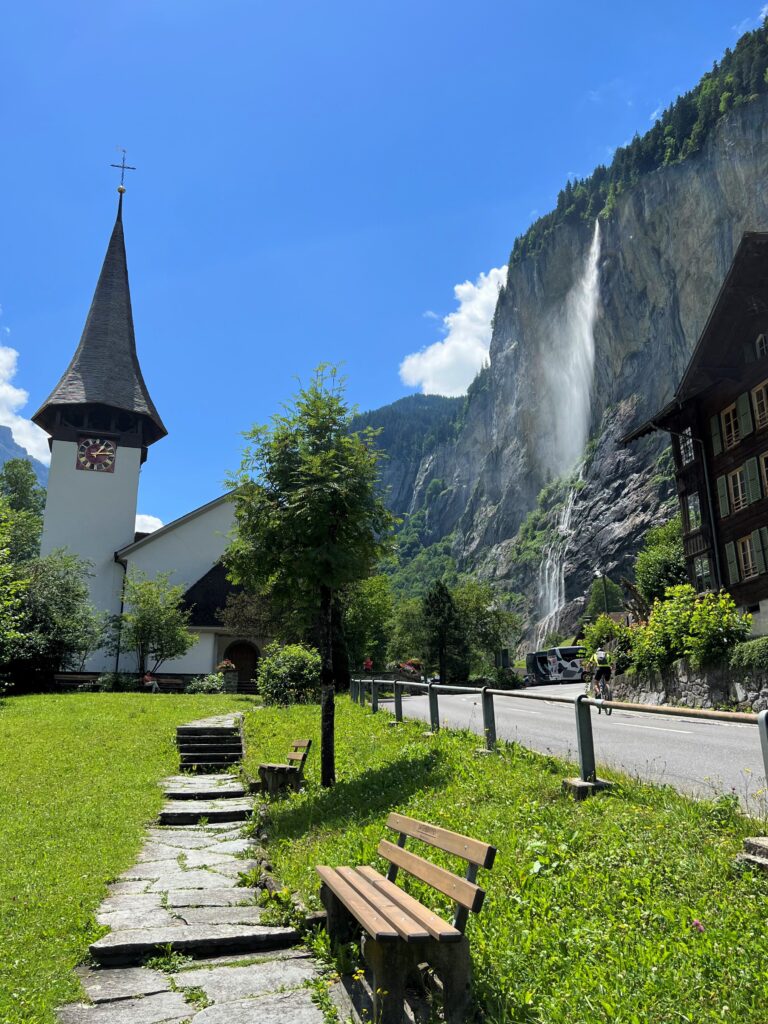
x=697 y=925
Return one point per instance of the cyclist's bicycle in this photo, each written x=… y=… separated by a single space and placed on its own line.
x=603 y=692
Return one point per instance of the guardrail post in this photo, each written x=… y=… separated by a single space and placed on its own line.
x=434 y=715
x=762 y=728
x=353 y=685
x=374 y=695
x=584 y=739
x=362 y=692
x=398 y=701
x=489 y=719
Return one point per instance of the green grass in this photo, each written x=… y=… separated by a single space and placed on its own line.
x=78 y=785
x=591 y=907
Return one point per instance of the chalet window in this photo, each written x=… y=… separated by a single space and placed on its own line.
x=736 y=422
x=764 y=470
x=761 y=346
x=702 y=571
x=686 y=446
x=693 y=511
x=760 y=403
x=737 y=490
x=746 y=550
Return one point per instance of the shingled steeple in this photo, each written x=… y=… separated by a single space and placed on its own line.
x=104 y=380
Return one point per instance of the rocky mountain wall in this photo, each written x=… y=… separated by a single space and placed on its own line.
x=664 y=251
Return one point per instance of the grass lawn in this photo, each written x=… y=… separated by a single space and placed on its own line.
x=627 y=908
x=78 y=784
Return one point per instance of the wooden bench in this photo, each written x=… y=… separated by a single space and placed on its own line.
x=398 y=932
x=277 y=777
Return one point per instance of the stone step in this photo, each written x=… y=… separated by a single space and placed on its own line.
x=189 y=812
x=753 y=859
x=756 y=845
x=210 y=748
x=209 y=792
x=131 y=946
x=188 y=760
x=188 y=730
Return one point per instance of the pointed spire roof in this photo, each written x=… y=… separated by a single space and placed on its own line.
x=105 y=368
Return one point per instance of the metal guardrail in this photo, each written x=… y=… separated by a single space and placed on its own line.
x=582 y=706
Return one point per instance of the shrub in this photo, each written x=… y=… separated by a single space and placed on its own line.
x=213 y=683
x=289 y=675
x=617 y=637
x=702 y=627
x=116 y=682
x=660 y=563
x=751 y=655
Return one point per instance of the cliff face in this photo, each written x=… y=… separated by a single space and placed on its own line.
x=663 y=253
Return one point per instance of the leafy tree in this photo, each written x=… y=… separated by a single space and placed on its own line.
x=154 y=625
x=11 y=593
x=59 y=626
x=407 y=639
x=368 y=607
x=446 y=644
x=660 y=563
x=486 y=625
x=25 y=499
x=310 y=521
x=604 y=591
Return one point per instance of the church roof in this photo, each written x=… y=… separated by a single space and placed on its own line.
x=105 y=368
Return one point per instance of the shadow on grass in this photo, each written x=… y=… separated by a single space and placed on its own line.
x=363 y=798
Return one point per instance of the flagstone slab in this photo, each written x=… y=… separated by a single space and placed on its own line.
x=123 y=888
x=232 y=867
x=222 y=984
x=207 y=855
x=236 y=846
x=157 y=851
x=132 y=945
x=190 y=839
x=152 y=917
x=220 y=915
x=189 y=812
x=122 y=983
x=197 y=878
x=170 y=1007
x=283 y=1008
x=224 y=897
x=133 y=902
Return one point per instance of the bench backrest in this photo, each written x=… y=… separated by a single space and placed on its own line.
x=463 y=891
x=298 y=754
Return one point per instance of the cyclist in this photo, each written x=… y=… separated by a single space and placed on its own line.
x=602 y=663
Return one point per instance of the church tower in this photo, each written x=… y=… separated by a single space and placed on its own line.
x=101 y=421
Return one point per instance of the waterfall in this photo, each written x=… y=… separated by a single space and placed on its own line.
x=569 y=374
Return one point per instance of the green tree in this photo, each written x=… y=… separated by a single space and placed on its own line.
x=407 y=638
x=25 y=499
x=368 y=608
x=310 y=521
x=446 y=644
x=660 y=563
x=59 y=626
x=154 y=625
x=487 y=626
x=604 y=592
x=11 y=593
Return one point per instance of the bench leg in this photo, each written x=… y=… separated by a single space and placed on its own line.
x=342 y=926
x=452 y=963
x=390 y=964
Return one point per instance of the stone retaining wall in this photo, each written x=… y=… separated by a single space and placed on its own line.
x=696 y=688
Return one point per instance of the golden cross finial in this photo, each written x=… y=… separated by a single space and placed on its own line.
x=122 y=167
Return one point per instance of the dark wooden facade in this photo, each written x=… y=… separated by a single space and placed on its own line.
x=718 y=422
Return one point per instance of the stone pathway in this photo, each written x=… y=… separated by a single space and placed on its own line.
x=182 y=897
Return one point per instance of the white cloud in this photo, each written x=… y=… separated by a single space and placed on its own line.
x=449 y=366
x=655 y=115
x=147 y=524
x=764 y=12
x=430 y=314
x=24 y=431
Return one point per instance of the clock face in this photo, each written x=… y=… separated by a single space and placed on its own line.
x=97 y=454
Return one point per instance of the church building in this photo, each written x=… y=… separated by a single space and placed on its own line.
x=102 y=423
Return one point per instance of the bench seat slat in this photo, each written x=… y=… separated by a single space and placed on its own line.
x=407 y=928
x=375 y=924
x=279 y=767
x=301 y=744
x=296 y=757
x=434 y=924
x=465 y=893
x=472 y=850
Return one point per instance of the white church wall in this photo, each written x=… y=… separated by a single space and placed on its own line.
x=199 y=661
x=92 y=514
x=187 y=549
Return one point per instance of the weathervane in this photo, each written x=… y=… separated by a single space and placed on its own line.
x=122 y=167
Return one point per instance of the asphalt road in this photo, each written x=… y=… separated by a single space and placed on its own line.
x=696 y=757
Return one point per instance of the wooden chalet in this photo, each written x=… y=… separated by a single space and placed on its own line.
x=718 y=423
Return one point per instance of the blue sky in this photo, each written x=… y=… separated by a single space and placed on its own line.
x=316 y=182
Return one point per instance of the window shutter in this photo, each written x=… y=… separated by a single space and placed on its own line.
x=722 y=496
x=714 y=426
x=757 y=544
x=752 y=474
x=764 y=539
x=744 y=412
x=733 y=565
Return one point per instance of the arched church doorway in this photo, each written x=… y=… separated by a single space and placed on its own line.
x=245 y=657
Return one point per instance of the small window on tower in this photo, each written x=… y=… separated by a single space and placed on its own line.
x=125 y=422
x=100 y=419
